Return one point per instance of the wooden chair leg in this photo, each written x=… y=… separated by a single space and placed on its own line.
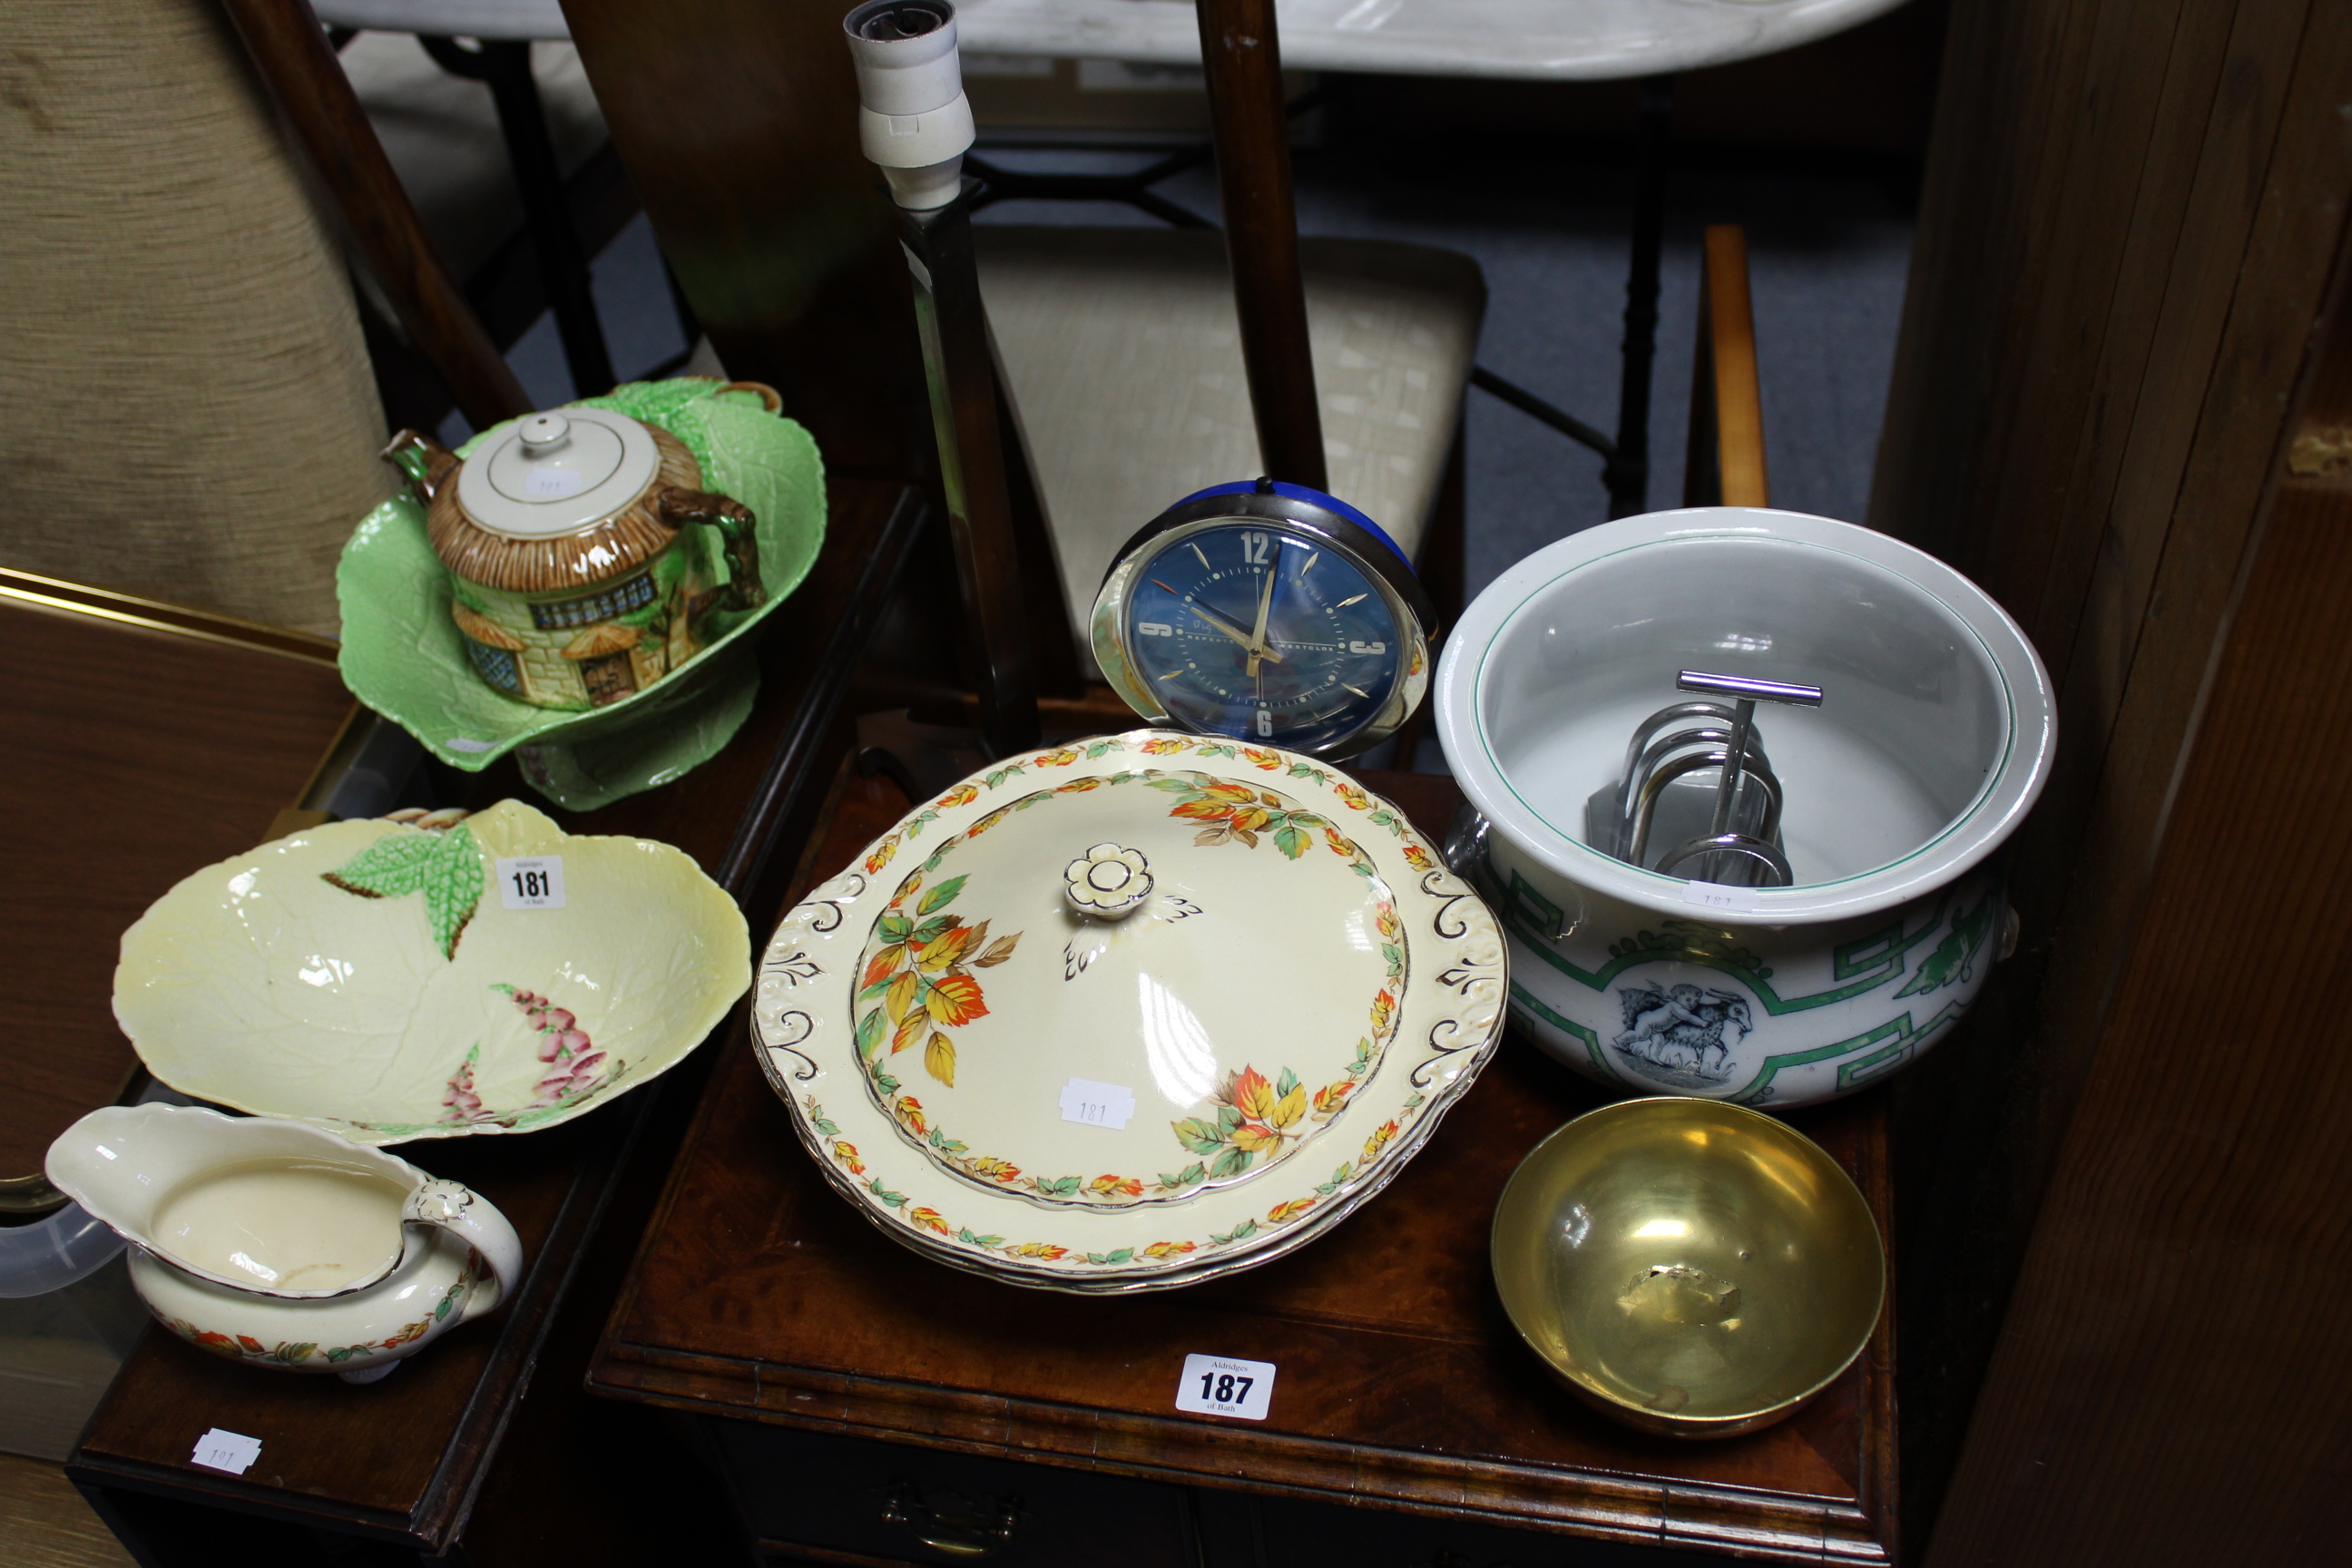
x=1444 y=570
x=1724 y=462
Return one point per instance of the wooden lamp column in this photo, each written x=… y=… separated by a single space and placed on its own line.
x=914 y=122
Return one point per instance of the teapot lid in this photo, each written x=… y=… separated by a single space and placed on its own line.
x=557 y=472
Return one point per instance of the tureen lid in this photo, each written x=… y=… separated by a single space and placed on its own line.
x=1129 y=987
x=1129 y=1013
x=557 y=472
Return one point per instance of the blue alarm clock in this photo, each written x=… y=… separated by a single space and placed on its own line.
x=1269 y=613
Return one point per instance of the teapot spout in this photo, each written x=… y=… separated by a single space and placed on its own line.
x=425 y=463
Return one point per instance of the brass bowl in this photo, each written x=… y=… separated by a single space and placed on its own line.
x=1687 y=1267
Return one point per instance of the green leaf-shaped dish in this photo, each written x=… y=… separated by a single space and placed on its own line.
x=403 y=656
x=368 y=977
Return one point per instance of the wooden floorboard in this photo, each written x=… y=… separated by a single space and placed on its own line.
x=44 y=1523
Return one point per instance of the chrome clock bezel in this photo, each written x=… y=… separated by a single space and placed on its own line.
x=1313 y=517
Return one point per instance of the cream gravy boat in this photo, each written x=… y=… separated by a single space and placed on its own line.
x=282 y=1244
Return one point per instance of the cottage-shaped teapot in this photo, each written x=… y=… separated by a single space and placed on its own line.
x=577 y=574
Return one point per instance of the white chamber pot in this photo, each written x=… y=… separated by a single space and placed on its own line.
x=1933 y=740
x=282 y=1245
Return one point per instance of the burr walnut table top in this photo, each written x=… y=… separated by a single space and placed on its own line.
x=760 y=1295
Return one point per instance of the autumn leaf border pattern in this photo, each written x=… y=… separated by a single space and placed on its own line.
x=852 y=1172
x=293 y=1352
x=1253 y=1118
x=845 y=1154
x=887 y=849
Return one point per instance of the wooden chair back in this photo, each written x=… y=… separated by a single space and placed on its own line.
x=1241 y=50
x=191 y=414
x=290 y=50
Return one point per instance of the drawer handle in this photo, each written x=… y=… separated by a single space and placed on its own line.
x=960 y=1527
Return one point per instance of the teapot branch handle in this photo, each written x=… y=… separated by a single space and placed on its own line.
x=737 y=531
x=767 y=395
x=473 y=1220
x=425 y=463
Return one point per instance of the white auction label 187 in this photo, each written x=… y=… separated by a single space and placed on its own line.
x=1225 y=1385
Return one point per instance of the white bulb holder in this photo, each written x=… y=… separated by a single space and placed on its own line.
x=913 y=119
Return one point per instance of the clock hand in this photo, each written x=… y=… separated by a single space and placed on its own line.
x=1258 y=649
x=1230 y=627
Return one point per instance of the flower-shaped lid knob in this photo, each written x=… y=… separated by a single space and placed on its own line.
x=1108 y=882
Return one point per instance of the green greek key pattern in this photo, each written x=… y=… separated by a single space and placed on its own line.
x=1858 y=967
x=1898 y=1038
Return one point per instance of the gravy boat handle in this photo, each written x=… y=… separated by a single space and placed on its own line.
x=476 y=1222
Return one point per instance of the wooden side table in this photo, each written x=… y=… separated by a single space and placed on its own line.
x=760 y=1298
x=409 y=1463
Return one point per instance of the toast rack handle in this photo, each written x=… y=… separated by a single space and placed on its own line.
x=1748 y=690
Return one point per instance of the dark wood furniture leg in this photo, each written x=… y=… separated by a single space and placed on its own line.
x=1241 y=53
x=503 y=65
x=1627 y=471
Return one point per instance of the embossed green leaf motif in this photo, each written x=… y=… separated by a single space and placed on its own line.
x=444 y=866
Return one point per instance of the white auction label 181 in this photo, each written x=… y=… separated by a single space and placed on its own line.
x=531 y=882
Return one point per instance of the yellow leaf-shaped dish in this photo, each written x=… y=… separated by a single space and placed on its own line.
x=370 y=977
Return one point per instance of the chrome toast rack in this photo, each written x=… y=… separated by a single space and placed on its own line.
x=1729 y=833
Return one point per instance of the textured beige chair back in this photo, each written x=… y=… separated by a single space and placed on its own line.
x=1122 y=348
x=186 y=410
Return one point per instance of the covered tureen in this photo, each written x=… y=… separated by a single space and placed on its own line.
x=1131 y=1013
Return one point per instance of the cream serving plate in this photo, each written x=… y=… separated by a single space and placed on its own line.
x=369 y=977
x=1116 y=1011
x=1216 y=1264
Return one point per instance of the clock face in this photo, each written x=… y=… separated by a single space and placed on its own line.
x=1244 y=628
